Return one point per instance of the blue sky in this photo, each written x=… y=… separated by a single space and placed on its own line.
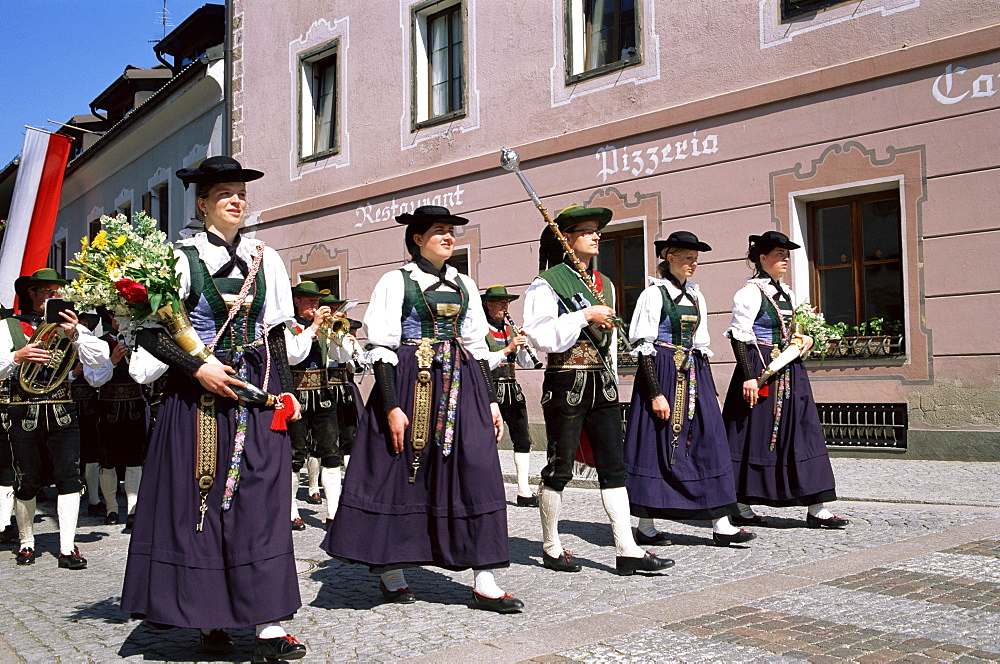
x=57 y=55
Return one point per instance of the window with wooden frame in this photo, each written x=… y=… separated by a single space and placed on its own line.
x=438 y=63
x=330 y=282
x=601 y=36
x=93 y=228
x=794 y=8
x=161 y=207
x=622 y=259
x=57 y=257
x=857 y=262
x=318 y=102
x=460 y=261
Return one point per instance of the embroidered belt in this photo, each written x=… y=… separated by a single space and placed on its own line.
x=5 y=390
x=82 y=391
x=504 y=372
x=310 y=379
x=449 y=352
x=337 y=375
x=685 y=389
x=59 y=395
x=119 y=392
x=207 y=448
x=583 y=355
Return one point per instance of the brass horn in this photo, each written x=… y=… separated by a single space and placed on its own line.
x=42 y=378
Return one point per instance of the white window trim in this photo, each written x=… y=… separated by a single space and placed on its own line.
x=127 y=196
x=773 y=32
x=320 y=32
x=645 y=72
x=408 y=136
x=801 y=278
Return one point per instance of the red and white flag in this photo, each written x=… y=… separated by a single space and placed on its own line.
x=33 y=208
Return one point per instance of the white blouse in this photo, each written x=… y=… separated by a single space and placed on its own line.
x=746 y=304
x=645 y=325
x=385 y=326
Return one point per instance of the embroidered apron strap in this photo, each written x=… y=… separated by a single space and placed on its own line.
x=207 y=448
x=420 y=427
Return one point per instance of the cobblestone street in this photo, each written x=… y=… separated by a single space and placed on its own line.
x=916 y=581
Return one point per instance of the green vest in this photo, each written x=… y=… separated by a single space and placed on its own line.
x=567 y=284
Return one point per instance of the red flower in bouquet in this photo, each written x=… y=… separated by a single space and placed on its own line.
x=132 y=291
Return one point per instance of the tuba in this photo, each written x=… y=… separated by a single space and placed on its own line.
x=37 y=378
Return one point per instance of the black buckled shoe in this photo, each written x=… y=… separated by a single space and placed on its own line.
x=627 y=566
x=740 y=520
x=739 y=537
x=506 y=603
x=26 y=556
x=216 y=641
x=527 y=501
x=659 y=539
x=314 y=499
x=561 y=563
x=401 y=596
x=277 y=649
x=298 y=524
x=129 y=522
x=112 y=519
x=833 y=522
x=72 y=560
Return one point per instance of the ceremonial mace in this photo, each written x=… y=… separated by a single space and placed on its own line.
x=511 y=162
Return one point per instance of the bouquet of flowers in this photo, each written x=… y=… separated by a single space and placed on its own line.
x=813 y=324
x=128 y=268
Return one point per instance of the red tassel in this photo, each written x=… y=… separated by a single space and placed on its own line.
x=764 y=391
x=283 y=410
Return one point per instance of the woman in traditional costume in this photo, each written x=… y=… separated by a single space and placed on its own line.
x=424 y=485
x=211 y=548
x=778 y=450
x=676 y=451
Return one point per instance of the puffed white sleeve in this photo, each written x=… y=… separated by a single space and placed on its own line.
x=384 y=318
x=7 y=364
x=701 y=337
x=474 y=327
x=746 y=304
x=495 y=357
x=645 y=326
x=278 y=307
x=91 y=350
x=524 y=360
x=99 y=375
x=144 y=368
x=298 y=345
x=545 y=328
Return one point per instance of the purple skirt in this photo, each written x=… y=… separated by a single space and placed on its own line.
x=454 y=516
x=240 y=569
x=699 y=484
x=797 y=471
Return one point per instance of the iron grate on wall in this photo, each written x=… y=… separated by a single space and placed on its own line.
x=864 y=424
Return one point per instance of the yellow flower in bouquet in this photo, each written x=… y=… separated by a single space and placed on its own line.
x=101 y=240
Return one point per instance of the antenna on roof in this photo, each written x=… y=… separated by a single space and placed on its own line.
x=163 y=18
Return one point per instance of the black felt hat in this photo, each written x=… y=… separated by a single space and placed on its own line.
x=682 y=240
x=430 y=214
x=771 y=239
x=218 y=169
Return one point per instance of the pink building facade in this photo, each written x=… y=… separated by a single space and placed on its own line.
x=866 y=131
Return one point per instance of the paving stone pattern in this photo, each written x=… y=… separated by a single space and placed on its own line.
x=53 y=615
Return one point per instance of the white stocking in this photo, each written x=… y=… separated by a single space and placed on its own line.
x=485 y=584
x=616 y=505
x=68 y=510
x=24 y=512
x=133 y=476
x=92 y=473
x=820 y=512
x=312 y=470
x=270 y=631
x=745 y=510
x=295 y=489
x=723 y=527
x=330 y=477
x=109 y=487
x=521 y=463
x=647 y=527
x=393 y=580
x=549 y=504
x=6 y=505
